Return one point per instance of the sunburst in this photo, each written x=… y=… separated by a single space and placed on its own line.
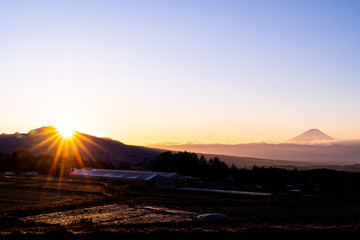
x=69 y=147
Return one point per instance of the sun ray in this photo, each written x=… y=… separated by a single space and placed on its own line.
x=77 y=156
x=82 y=147
x=58 y=156
x=82 y=137
x=49 y=139
x=56 y=141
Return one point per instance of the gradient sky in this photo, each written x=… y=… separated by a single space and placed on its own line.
x=177 y=71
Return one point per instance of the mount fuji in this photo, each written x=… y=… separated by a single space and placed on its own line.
x=311 y=136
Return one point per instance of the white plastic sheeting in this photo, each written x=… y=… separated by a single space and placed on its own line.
x=130 y=175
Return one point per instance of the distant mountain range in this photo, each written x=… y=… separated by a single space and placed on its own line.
x=48 y=140
x=338 y=154
x=298 y=151
x=289 y=154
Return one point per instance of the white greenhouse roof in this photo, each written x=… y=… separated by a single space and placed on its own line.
x=121 y=174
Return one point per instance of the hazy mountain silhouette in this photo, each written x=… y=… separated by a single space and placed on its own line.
x=47 y=140
x=312 y=135
x=329 y=153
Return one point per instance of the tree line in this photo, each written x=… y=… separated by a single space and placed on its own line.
x=186 y=163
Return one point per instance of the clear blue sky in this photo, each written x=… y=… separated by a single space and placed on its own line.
x=201 y=71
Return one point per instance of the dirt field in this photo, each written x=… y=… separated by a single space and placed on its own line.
x=45 y=207
x=23 y=196
x=110 y=214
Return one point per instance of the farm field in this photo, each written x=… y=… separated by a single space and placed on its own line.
x=41 y=207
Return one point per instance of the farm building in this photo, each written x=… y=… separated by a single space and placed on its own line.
x=143 y=178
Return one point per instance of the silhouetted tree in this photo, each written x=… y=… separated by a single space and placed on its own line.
x=187 y=163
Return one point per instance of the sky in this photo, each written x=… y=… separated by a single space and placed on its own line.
x=202 y=71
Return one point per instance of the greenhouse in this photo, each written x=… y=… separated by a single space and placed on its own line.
x=145 y=178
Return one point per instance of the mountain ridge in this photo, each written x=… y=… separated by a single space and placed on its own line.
x=48 y=140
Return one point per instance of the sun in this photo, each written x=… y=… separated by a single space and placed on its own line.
x=66 y=129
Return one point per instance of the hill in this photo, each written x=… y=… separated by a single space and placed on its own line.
x=48 y=140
